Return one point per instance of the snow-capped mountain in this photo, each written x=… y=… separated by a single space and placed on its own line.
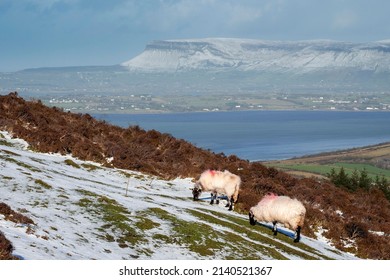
x=258 y=55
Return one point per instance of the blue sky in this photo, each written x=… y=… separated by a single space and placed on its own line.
x=49 y=33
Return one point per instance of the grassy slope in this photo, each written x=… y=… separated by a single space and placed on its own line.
x=75 y=203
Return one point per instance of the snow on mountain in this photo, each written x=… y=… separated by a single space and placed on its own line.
x=246 y=54
x=82 y=211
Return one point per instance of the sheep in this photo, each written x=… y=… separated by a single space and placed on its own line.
x=279 y=209
x=218 y=182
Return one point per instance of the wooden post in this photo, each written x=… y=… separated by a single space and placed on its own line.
x=128 y=183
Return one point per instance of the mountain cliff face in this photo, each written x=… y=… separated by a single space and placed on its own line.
x=246 y=55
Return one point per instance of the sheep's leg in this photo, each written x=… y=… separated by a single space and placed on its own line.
x=297 y=234
x=217 y=199
x=213 y=196
x=252 y=220
x=274 y=228
x=230 y=203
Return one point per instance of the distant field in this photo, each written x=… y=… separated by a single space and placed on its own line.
x=324 y=169
x=374 y=159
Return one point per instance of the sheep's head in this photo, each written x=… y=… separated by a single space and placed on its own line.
x=196 y=191
x=252 y=220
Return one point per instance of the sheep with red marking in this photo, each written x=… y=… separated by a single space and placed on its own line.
x=218 y=182
x=279 y=209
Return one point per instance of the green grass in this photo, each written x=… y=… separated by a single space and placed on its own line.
x=72 y=163
x=9 y=153
x=154 y=227
x=197 y=237
x=234 y=239
x=117 y=226
x=273 y=245
x=371 y=170
x=5 y=143
x=90 y=167
x=326 y=168
x=312 y=168
x=19 y=163
x=43 y=184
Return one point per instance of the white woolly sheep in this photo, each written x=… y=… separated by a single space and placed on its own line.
x=279 y=209
x=218 y=182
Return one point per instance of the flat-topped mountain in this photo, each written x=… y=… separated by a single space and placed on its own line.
x=259 y=55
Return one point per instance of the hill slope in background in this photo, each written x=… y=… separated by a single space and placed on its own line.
x=352 y=221
x=375 y=159
x=82 y=210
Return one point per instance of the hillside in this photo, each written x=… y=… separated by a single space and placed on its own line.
x=352 y=221
x=82 y=210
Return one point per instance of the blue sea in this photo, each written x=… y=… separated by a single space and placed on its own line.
x=266 y=135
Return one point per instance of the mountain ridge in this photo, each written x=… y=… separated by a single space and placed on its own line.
x=261 y=55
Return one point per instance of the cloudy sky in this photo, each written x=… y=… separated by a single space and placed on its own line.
x=41 y=33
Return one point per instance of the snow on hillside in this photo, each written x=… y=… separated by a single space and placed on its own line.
x=245 y=54
x=82 y=211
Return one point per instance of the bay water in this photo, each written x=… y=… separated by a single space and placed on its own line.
x=266 y=135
